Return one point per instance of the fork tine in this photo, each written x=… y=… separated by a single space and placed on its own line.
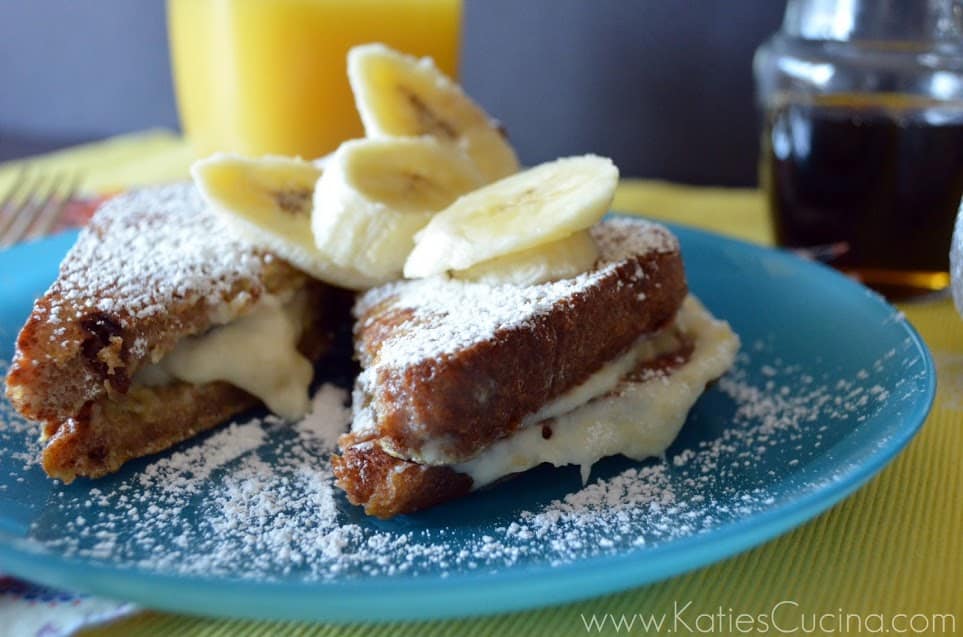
x=7 y=209
x=14 y=187
x=40 y=207
x=15 y=201
x=22 y=216
x=52 y=213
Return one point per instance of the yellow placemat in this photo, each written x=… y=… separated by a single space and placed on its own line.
x=888 y=558
x=111 y=165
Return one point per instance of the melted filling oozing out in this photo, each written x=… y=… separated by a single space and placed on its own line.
x=636 y=417
x=256 y=352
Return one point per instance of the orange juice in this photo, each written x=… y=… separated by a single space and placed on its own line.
x=269 y=76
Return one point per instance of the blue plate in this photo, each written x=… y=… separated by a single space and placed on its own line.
x=831 y=383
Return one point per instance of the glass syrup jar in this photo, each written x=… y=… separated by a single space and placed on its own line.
x=862 y=146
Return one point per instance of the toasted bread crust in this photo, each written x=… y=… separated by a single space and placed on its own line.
x=153 y=266
x=107 y=433
x=101 y=357
x=465 y=401
x=442 y=387
x=114 y=308
x=387 y=486
x=116 y=428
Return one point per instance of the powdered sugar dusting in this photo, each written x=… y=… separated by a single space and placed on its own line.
x=256 y=500
x=326 y=420
x=160 y=250
x=472 y=311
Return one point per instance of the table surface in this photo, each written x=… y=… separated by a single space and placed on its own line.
x=894 y=547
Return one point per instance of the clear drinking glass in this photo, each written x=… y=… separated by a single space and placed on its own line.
x=862 y=147
x=269 y=76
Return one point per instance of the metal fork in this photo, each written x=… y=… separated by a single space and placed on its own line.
x=33 y=204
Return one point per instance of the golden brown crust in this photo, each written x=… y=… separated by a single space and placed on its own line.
x=119 y=427
x=114 y=308
x=434 y=393
x=47 y=382
x=107 y=433
x=387 y=486
x=153 y=266
x=466 y=401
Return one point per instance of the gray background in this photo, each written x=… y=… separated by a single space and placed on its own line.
x=662 y=86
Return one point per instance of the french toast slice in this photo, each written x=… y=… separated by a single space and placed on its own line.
x=387 y=485
x=153 y=268
x=451 y=366
x=637 y=411
x=453 y=369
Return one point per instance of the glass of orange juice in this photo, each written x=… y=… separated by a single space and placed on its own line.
x=269 y=76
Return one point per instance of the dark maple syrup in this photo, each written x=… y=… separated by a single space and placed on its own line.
x=868 y=184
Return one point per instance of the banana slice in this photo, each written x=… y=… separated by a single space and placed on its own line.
x=377 y=193
x=538 y=206
x=399 y=95
x=268 y=200
x=560 y=259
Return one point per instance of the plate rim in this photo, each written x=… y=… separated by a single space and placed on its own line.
x=425 y=597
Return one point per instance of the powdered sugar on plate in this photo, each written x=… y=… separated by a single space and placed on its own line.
x=256 y=499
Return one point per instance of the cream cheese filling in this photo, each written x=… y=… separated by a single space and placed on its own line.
x=603 y=381
x=256 y=352
x=636 y=418
x=648 y=347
